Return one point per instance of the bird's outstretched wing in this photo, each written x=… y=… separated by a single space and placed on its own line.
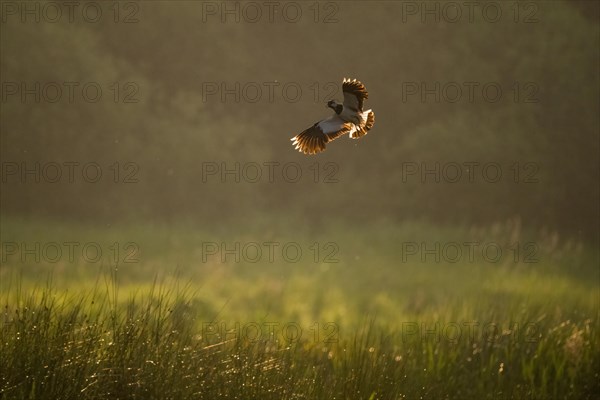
x=313 y=140
x=354 y=94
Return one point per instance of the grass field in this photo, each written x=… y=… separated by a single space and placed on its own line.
x=389 y=311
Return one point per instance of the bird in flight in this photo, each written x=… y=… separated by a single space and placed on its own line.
x=349 y=118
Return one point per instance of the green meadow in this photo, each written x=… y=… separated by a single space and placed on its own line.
x=367 y=317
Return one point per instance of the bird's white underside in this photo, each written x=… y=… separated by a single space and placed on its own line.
x=331 y=124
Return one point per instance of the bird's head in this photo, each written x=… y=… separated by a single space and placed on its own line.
x=335 y=106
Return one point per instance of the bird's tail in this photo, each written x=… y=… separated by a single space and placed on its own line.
x=367 y=122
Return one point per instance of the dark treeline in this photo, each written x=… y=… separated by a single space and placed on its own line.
x=171 y=117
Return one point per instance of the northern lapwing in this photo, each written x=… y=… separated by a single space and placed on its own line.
x=349 y=118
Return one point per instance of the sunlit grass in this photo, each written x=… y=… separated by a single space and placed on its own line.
x=372 y=326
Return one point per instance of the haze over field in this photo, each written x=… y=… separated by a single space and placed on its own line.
x=161 y=238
